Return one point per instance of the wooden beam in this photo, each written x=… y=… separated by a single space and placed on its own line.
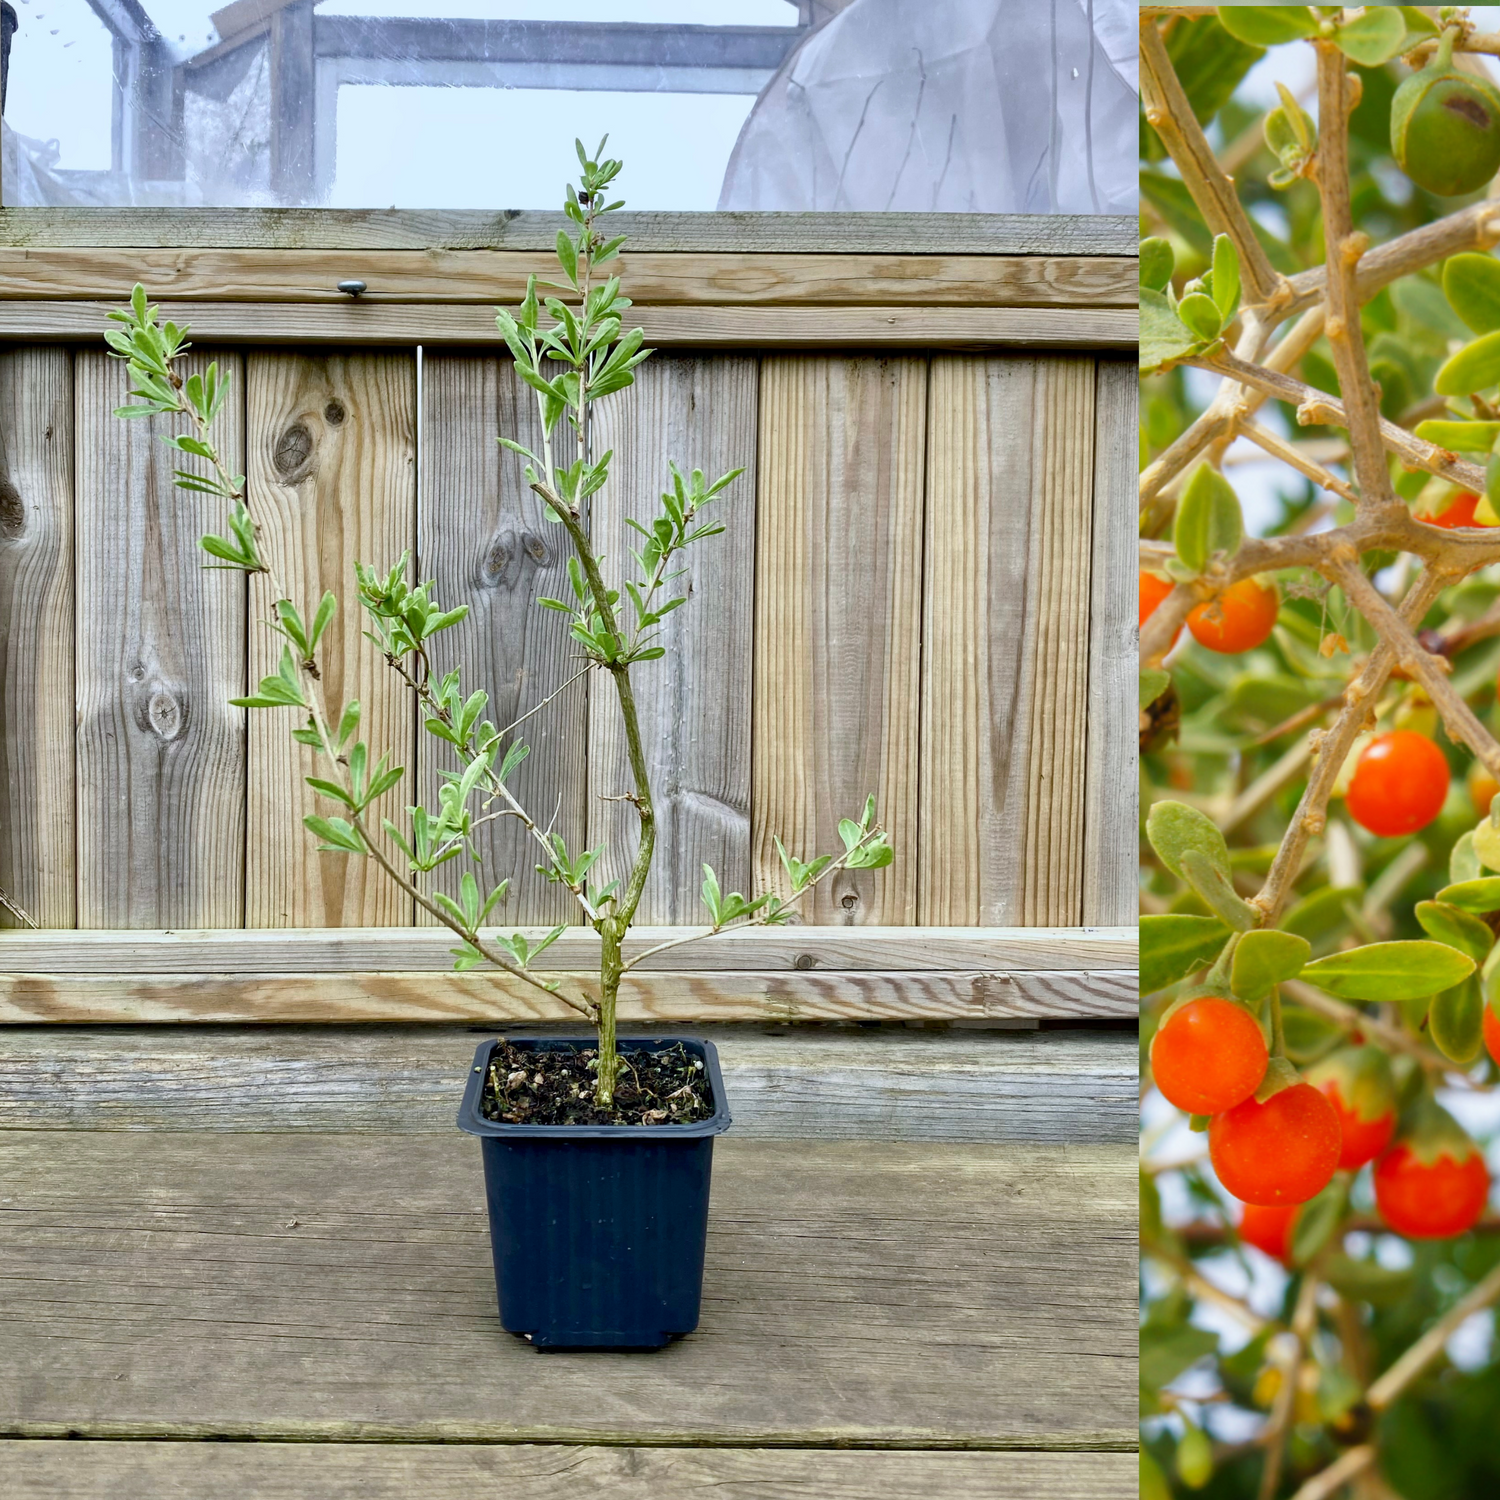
x=292 y=102
x=683 y=998
x=348 y=950
x=884 y=1083
x=723 y=327
x=487 y=277
x=512 y=229
x=452 y=1471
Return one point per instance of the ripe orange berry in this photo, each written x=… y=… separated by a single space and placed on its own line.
x=1432 y=1199
x=1239 y=619
x=1208 y=1055
x=1460 y=512
x=1270 y=1229
x=1492 y=1032
x=1400 y=784
x=1282 y=1151
x=1357 y=1082
x=1153 y=591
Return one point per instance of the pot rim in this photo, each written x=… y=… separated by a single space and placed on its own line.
x=471 y=1122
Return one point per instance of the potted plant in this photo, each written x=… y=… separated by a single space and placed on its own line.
x=597 y=1153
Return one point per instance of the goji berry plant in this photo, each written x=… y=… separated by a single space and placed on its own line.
x=573 y=351
x=1321 y=863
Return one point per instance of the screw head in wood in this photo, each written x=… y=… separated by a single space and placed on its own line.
x=353 y=288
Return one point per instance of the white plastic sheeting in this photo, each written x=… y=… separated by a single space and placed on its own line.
x=956 y=106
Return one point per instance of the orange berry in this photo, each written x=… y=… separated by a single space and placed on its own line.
x=1460 y=512
x=1482 y=788
x=1239 y=619
x=1208 y=1055
x=1430 y=1200
x=1269 y=1229
x=1492 y=1032
x=1399 y=785
x=1283 y=1151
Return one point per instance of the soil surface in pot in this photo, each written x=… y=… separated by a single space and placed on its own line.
x=526 y=1087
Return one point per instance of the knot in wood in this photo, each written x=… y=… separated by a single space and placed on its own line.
x=12 y=509
x=334 y=413
x=161 y=711
x=293 y=453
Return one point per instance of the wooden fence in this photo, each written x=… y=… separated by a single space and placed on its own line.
x=923 y=592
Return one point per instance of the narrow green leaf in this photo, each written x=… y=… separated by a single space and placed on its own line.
x=1173 y=946
x=1455 y=1021
x=1479 y=895
x=1164 y=337
x=1226 y=276
x=1476 y=367
x=1458 y=928
x=1390 y=971
x=1209 y=519
x=1268 y=25
x=1157 y=263
x=1460 y=437
x=1153 y=683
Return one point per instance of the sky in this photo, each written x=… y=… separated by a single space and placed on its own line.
x=514 y=151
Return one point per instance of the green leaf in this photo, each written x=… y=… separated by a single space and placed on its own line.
x=1266 y=958
x=1163 y=335
x=1157 y=263
x=1374 y=36
x=1217 y=889
x=1317 y=1220
x=1455 y=1021
x=1226 y=276
x=1154 y=682
x=1174 y=828
x=1463 y=862
x=1166 y=1352
x=1173 y=946
x=1200 y=315
x=1481 y=895
x=1471 y=283
x=1476 y=367
x=1458 y=928
x=1366 y=1280
x=1209 y=519
x=1460 y=437
x=1390 y=971
x=338 y=836
x=1268 y=25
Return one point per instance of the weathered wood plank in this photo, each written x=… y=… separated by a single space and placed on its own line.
x=801 y=948
x=1111 y=785
x=1005 y=640
x=788 y=1084
x=332 y=480
x=406 y=323
x=449 y=1471
x=490 y=276
x=392 y=229
x=694 y=704
x=838 y=581
x=482 y=537
x=785 y=995
x=36 y=636
x=341 y=1287
x=160 y=651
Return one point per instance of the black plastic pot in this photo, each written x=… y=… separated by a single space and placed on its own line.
x=597 y=1230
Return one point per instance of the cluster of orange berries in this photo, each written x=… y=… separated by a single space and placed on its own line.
x=1400 y=781
x=1209 y=1057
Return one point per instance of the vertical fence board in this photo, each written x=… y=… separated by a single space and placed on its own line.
x=36 y=635
x=838 y=582
x=1109 y=832
x=485 y=542
x=160 y=650
x=332 y=458
x=1010 y=459
x=694 y=703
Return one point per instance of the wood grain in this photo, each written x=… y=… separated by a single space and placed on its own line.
x=408 y=323
x=1005 y=640
x=36 y=636
x=332 y=460
x=677 y=997
x=160 y=651
x=799 y=948
x=483 y=539
x=490 y=276
x=340 y=1287
x=837 y=622
x=1111 y=786
x=784 y=1083
x=695 y=703
x=696 y=233
x=448 y=1471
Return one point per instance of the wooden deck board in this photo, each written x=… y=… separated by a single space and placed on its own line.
x=887 y=1085
x=339 y=1287
x=342 y=1471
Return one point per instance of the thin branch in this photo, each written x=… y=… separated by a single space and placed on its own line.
x=1171 y=116
x=1278 y=447
x=1427 y=1348
x=1367 y=1023
x=514 y=724
x=1345 y=247
x=1273 y=1438
x=1349 y=1466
